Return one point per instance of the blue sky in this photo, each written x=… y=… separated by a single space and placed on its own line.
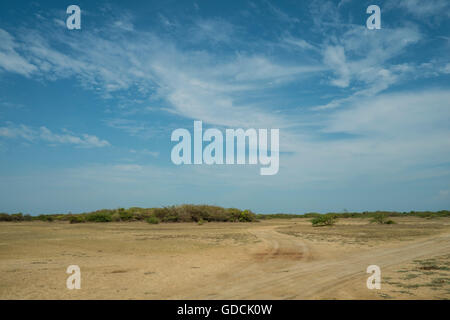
x=86 y=115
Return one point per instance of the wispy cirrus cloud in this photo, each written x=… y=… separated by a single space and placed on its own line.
x=210 y=85
x=193 y=82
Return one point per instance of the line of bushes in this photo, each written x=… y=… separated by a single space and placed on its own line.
x=202 y=213
x=15 y=217
x=365 y=214
x=180 y=213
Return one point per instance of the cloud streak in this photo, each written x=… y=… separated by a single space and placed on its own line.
x=44 y=134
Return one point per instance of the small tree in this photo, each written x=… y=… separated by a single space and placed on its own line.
x=323 y=220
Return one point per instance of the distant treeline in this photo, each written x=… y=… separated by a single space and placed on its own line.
x=199 y=213
x=365 y=214
x=181 y=213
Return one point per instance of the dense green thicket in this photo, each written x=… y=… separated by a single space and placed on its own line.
x=181 y=213
x=203 y=213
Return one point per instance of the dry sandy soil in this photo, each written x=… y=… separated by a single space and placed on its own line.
x=275 y=259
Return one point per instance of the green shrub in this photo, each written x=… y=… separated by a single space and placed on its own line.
x=5 y=217
x=247 y=216
x=201 y=222
x=99 y=217
x=115 y=217
x=125 y=215
x=152 y=220
x=323 y=220
x=264 y=216
x=45 y=217
x=17 y=217
x=62 y=217
x=163 y=213
x=233 y=214
x=77 y=219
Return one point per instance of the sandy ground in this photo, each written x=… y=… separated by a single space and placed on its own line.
x=275 y=259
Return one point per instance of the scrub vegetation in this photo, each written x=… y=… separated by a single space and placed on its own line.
x=207 y=213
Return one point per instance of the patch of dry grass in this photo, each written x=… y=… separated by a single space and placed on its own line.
x=432 y=276
x=362 y=232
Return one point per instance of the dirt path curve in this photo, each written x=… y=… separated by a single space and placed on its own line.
x=282 y=267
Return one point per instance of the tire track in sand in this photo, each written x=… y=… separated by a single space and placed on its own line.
x=282 y=267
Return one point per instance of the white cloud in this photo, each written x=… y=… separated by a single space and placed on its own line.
x=334 y=57
x=446 y=68
x=281 y=15
x=420 y=8
x=367 y=51
x=300 y=43
x=137 y=128
x=10 y=60
x=20 y=131
x=44 y=134
x=215 y=30
x=396 y=115
x=361 y=60
x=201 y=84
x=401 y=136
x=196 y=84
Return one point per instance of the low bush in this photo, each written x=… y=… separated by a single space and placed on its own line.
x=115 y=217
x=125 y=215
x=45 y=217
x=152 y=220
x=77 y=219
x=381 y=218
x=5 y=217
x=99 y=217
x=247 y=216
x=17 y=217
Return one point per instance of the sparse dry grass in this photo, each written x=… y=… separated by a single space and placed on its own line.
x=422 y=279
x=362 y=232
x=275 y=259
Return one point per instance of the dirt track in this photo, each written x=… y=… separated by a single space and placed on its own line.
x=303 y=278
x=278 y=259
